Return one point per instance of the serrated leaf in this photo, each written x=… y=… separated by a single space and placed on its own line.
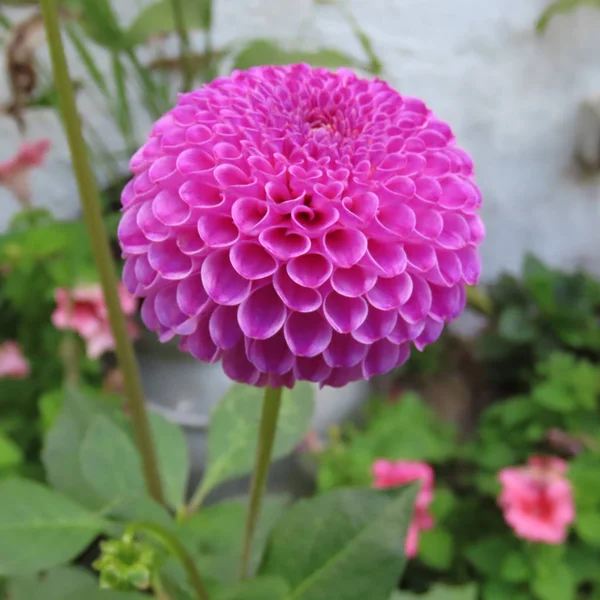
x=345 y=544
x=266 y=52
x=234 y=426
x=39 y=528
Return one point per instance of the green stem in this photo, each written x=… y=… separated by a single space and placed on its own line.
x=171 y=543
x=266 y=437
x=154 y=97
x=100 y=246
x=184 y=45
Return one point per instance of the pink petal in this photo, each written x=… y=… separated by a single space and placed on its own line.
x=354 y=281
x=345 y=314
x=218 y=231
x=310 y=270
x=311 y=369
x=166 y=258
x=391 y=292
x=345 y=247
x=381 y=358
x=222 y=282
x=284 y=244
x=223 y=327
x=307 y=334
x=419 y=304
x=295 y=296
x=389 y=257
x=344 y=351
x=271 y=355
x=377 y=325
x=191 y=295
x=262 y=314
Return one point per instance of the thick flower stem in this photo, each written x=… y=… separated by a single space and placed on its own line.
x=101 y=249
x=266 y=438
x=177 y=549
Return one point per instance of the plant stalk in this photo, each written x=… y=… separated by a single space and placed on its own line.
x=101 y=249
x=184 y=45
x=266 y=438
x=171 y=543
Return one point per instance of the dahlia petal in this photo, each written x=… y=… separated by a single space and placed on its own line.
x=222 y=282
x=455 y=192
x=455 y=234
x=262 y=314
x=271 y=355
x=196 y=162
x=476 y=228
x=431 y=332
x=428 y=190
x=345 y=247
x=252 y=261
x=307 y=334
x=449 y=268
x=237 y=366
x=130 y=279
x=284 y=244
x=418 y=305
x=389 y=258
x=360 y=210
x=353 y=282
x=223 y=327
x=162 y=168
x=153 y=229
x=447 y=303
x=437 y=164
x=429 y=224
x=314 y=221
x=130 y=235
x=279 y=381
x=218 y=231
x=470 y=264
x=396 y=220
x=200 y=195
x=313 y=369
x=189 y=242
x=170 y=209
x=166 y=258
x=381 y=358
x=295 y=296
x=310 y=270
x=390 y=292
x=345 y=314
x=340 y=377
x=191 y=295
x=420 y=257
x=166 y=307
x=406 y=332
x=378 y=325
x=148 y=314
x=200 y=345
x=344 y=351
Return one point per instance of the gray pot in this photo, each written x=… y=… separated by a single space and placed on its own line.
x=185 y=390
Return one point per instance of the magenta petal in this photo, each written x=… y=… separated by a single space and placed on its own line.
x=421 y=257
x=222 y=282
x=345 y=314
x=470 y=263
x=153 y=229
x=353 y=282
x=405 y=332
x=284 y=244
x=314 y=221
x=200 y=344
x=397 y=220
x=344 y=351
x=345 y=247
x=287 y=380
x=237 y=366
x=310 y=270
x=456 y=233
x=433 y=330
x=200 y=195
x=193 y=161
x=449 y=267
x=148 y=314
x=295 y=296
x=223 y=327
x=343 y=376
x=252 y=215
x=190 y=242
x=381 y=358
x=429 y=224
x=130 y=235
x=389 y=257
x=262 y=314
x=166 y=307
x=271 y=355
x=252 y=261
x=419 y=304
x=360 y=210
x=377 y=325
x=391 y=292
x=191 y=295
x=307 y=334
x=166 y=258
x=218 y=231
x=313 y=369
x=144 y=273
x=447 y=303
x=170 y=209
x=229 y=175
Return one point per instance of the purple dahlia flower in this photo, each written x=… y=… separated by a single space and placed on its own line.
x=300 y=224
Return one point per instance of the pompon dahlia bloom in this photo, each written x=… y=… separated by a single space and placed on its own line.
x=537 y=499
x=392 y=474
x=300 y=224
x=83 y=309
x=12 y=362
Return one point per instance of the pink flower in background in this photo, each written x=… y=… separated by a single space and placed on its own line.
x=300 y=224
x=12 y=361
x=537 y=499
x=83 y=310
x=14 y=172
x=392 y=474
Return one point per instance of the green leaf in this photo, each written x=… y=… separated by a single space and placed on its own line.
x=345 y=544
x=515 y=567
x=561 y=6
x=488 y=554
x=214 y=536
x=266 y=52
x=263 y=588
x=39 y=528
x=497 y=590
x=515 y=326
x=97 y=594
x=443 y=502
x=10 y=454
x=553 y=581
x=53 y=585
x=587 y=525
x=441 y=592
x=436 y=548
x=61 y=448
x=157 y=19
x=102 y=25
x=234 y=426
x=173 y=458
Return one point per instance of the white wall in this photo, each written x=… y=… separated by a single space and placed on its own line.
x=510 y=96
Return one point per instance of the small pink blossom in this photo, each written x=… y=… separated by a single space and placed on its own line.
x=391 y=474
x=83 y=310
x=14 y=172
x=12 y=361
x=537 y=499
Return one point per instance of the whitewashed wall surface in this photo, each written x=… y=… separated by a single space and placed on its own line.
x=511 y=96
